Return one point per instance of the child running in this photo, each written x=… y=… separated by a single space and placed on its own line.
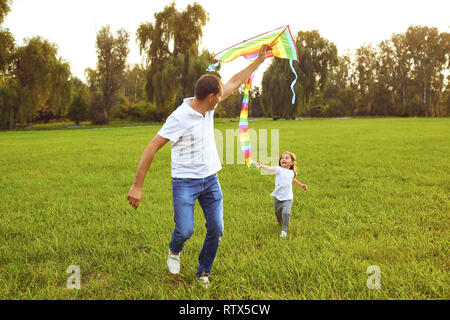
x=285 y=176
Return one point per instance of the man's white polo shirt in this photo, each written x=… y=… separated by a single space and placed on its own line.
x=194 y=151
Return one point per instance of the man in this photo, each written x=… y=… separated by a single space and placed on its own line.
x=195 y=164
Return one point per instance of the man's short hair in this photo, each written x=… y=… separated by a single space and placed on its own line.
x=206 y=85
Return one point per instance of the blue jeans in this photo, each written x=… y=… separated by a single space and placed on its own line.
x=207 y=190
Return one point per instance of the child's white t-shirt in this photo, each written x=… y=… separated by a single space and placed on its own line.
x=283 y=184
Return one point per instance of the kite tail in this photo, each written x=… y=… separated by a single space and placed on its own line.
x=293 y=82
x=212 y=67
x=243 y=126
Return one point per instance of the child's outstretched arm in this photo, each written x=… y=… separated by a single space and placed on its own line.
x=262 y=166
x=301 y=185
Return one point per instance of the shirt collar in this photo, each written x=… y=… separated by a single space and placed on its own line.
x=190 y=110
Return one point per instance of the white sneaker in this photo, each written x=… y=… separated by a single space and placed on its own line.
x=205 y=281
x=173 y=262
x=283 y=234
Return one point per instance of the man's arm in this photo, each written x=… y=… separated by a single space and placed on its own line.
x=239 y=78
x=135 y=193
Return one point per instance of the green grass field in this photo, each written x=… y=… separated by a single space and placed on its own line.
x=378 y=194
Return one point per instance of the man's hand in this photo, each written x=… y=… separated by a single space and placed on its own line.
x=239 y=78
x=262 y=53
x=134 y=196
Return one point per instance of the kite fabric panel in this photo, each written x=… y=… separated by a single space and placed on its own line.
x=282 y=46
x=280 y=40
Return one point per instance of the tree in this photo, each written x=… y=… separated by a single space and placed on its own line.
x=340 y=89
x=134 y=83
x=170 y=45
x=276 y=96
x=111 y=62
x=10 y=93
x=429 y=54
x=365 y=66
x=317 y=58
x=78 y=110
x=4 y=9
x=60 y=89
x=255 y=107
x=402 y=67
x=446 y=99
x=232 y=105
x=35 y=78
x=6 y=51
x=8 y=86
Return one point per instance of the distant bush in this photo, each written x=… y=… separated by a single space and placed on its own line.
x=78 y=109
x=315 y=112
x=413 y=108
x=140 y=111
x=334 y=108
x=45 y=114
x=97 y=111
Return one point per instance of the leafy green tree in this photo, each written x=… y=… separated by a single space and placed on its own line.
x=255 y=107
x=79 y=108
x=170 y=45
x=365 y=67
x=276 y=94
x=134 y=83
x=232 y=105
x=429 y=54
x=61 y=88
x=35 y=78
x=10 y=93
x=112 y=53
x=6 y=51
x=446 y=99
x=317 y=58
x=4 y=9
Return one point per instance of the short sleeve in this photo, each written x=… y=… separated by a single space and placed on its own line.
x=171 y=129
x=277 y=170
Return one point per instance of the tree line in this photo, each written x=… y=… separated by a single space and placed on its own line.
x=407 y=75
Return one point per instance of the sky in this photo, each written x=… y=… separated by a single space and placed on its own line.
x=73 y=24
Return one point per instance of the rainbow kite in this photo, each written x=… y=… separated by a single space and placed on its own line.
x=281 y=45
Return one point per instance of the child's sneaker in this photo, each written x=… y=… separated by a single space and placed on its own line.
x=173 y=262
x=204 y=280
x=283 y=234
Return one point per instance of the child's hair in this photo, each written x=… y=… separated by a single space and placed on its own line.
x=293 y=159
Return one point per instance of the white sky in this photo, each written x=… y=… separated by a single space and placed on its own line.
x=72 y=24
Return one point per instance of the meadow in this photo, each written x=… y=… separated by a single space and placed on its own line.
x=378 y=194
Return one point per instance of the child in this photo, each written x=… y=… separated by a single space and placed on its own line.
x=285 y=176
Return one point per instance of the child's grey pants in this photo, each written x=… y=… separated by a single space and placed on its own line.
x=283 y=212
